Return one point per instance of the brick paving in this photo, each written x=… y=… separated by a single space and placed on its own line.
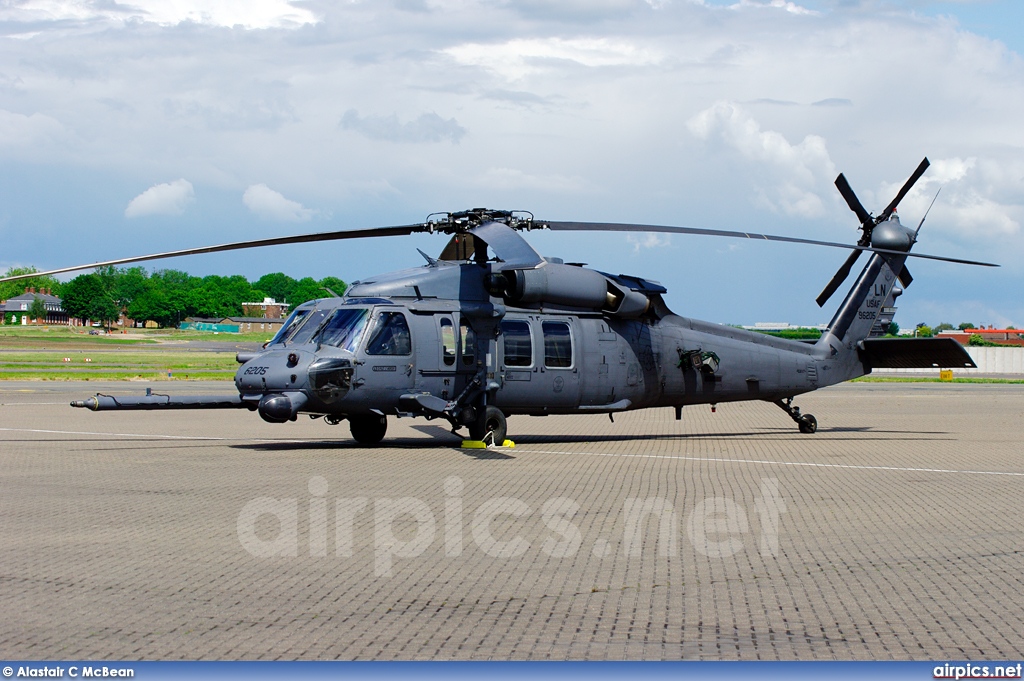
x=895 y=532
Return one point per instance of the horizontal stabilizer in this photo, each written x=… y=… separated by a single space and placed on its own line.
x=914 y=353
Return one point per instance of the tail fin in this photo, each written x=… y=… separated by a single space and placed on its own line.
x=875 y=289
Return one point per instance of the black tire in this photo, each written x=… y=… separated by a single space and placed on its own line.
x=368 y=429
x=808 y=424
x=490 y=426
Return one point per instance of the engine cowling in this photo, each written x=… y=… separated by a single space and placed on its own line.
x=570 y=286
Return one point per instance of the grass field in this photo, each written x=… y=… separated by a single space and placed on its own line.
x=69 y=354
x=63 y=336
x=109 y=364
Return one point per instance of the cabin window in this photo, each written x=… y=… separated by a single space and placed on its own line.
x=447 y=341
x=345 y=328
x=518 y=343
x=390 y=336
x=468 y=342
x=557 y=345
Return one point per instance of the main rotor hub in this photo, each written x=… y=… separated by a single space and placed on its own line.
x=465 y=220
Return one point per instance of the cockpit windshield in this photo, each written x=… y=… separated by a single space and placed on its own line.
x=290 y=326
x=301 y=326
x=309 y=326
x=345 y=328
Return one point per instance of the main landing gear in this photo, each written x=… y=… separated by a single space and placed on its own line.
x=807 y=423
x=368 y=429
x=489 y=426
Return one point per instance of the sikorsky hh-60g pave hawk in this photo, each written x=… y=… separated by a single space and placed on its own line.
x=490 y=329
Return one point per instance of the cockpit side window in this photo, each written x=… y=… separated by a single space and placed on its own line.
x=468 y=342
x=390 y=336
x=447 y=341
x=345 y=328
x=290 y=326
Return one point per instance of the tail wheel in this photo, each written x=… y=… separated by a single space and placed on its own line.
x=490 y=426
x=808 y=424
x=368 y=429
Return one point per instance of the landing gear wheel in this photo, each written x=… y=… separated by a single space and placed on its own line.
x=490 y=426
x=368 y=429
x=808 y=424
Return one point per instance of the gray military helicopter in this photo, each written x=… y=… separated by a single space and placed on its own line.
x=490 y=328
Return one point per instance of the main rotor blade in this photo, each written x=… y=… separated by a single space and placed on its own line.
x=400 y=230
x=627 y=227
x=903 y=191
x=905 y=277
x=837 y=280
x=851 y=199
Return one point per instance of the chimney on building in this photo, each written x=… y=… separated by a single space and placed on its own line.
x=30 y=289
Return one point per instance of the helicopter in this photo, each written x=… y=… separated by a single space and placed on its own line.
x=490 y=328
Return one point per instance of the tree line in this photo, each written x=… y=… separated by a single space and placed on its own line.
x=167 y=296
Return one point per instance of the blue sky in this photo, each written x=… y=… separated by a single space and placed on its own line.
x=128 y=128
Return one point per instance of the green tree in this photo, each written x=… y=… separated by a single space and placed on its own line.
x=941 y=327
x=334 y=284
x=86 y=298
x=37 y=310
x=129 y=284
x=894 y=329
x=965 y=325
x=276 y=285
x=306 y=289
x=976 y=340
x=221 y=296
x=177 y=286
x=153 y=305
x=924 y=331
x=9 y=289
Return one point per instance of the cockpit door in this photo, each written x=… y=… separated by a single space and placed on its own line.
x=387 y=352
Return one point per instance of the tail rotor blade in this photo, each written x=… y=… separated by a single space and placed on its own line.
x=851 y=199
x=903 y=190
x=840 y=276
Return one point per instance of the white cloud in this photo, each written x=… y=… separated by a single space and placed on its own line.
x=252 y=14
x=575 y=111
x=648 y=240
x=966 y=205
x=271 y=205
x=794 y=171
x=512 y=178
x=520 y=57
x=429 y=127
x=790 y=7
x=170 y=198
x=19 y=130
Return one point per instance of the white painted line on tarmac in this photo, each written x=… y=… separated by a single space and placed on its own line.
x=808 y=464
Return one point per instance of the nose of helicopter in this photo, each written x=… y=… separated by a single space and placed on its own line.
x=276 y=370
x=284 y=381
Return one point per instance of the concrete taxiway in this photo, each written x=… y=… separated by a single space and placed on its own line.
x=894 y=532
